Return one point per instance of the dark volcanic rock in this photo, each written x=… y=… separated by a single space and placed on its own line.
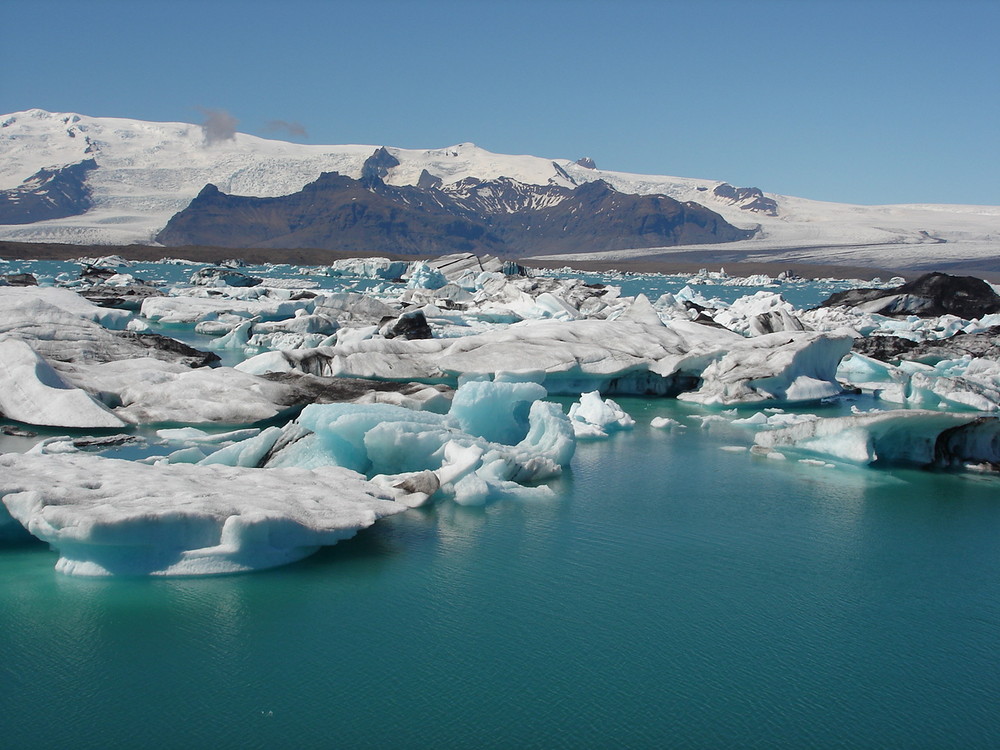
x=747 y=198
x=409 y=325
x=883 y=348
x=18 y=279
x=377 y=166
x=598 y=217
x=894 y=349
x=930 y=295
x=501 y=217
x=427 y=181
x=172 y=350
x=48 y=194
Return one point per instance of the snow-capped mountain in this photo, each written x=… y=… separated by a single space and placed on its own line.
x=147 y=172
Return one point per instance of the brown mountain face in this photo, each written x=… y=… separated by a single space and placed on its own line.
x=501 y=217
x=48 y=194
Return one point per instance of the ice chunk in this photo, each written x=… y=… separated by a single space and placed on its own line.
x=111 y=517
x=422 y=276
x=964 y=383
x=251 y=453
x=665 y=423
x=387 y=440
x=550 y=434
x=222 y=395
x=65 y=300
x=372 y=268
x=781 y=366
x=32 y=392
x=192 y=435
x=190 y=307
x=593 y=418
x=924 y=438
x=496 y=411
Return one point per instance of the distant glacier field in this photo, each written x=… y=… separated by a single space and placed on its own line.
x=681 y=583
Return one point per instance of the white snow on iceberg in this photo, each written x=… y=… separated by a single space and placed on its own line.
x=32 y=392
x=630 y=355
x=914 y=437
x=112 y=517
x=470 y=468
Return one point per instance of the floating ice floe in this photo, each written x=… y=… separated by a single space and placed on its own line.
x=592 y=417
x=369 y=268
x=112 y=517
x=913 y=437
x=633 y=354
x=665 y=423
x=963 y=383
x=497 y=438
x=191 y=305
x=65 y=300
x=32 y=392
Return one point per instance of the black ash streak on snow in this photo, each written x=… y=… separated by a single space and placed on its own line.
x=294 y=129
x=218 y=126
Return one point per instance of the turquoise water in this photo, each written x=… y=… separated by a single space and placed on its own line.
x=672 y=595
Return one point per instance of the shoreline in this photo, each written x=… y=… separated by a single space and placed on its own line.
x=680 y=264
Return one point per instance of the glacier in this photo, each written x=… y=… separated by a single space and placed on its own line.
x=149 y=171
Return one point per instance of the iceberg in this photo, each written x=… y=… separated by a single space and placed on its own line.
x=32 y=392
x=111 y=517
x=593 y=418
x=634 y=354
x=912 y=437
x=786 y=367
x=964 y=383
x=497 y=438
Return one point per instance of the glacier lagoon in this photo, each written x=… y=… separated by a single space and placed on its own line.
x=677 y=590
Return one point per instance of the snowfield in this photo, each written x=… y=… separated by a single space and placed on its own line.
x=149 y=171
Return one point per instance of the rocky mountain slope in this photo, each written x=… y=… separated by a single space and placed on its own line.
x=147 y=172
x=501 y=216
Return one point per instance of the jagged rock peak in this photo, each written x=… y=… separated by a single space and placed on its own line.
x=747 y=198
x=427 y=181
x=377 y=165
x=586 y=162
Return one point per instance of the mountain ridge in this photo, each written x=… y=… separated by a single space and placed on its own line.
x=502 y=217
x=147 y=172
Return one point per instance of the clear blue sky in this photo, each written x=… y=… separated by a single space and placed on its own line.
x=862 y=101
